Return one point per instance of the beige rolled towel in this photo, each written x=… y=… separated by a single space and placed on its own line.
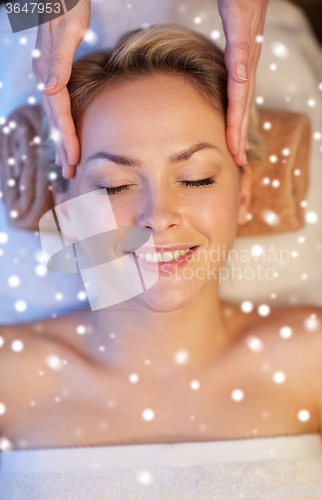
x=24 y=181
x=279 y=183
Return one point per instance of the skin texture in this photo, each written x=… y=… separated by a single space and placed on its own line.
x=242 y=20
x=151 y=119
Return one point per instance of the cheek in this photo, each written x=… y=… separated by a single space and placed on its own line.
x=217 y=215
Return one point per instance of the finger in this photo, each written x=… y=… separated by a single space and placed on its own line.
x=253 y=62
x=61 y=114
x=237 y=98
x=236 y=19
x=65 y=42
x=40 y=64
x=57 y=144
x=246 y=118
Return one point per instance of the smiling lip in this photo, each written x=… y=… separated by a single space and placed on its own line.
x=165 y=248
x=171 y=265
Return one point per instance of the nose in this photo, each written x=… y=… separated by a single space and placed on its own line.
x=159 y=211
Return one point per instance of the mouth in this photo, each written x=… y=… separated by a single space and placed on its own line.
x=169 y=257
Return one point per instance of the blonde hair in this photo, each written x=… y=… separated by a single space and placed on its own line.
x=152 y=50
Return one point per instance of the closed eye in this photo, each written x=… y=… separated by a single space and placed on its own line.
x=203 y=182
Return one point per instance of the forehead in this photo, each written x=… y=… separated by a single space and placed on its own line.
x=151 y=109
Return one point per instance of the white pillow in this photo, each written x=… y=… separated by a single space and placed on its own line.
x=41 y=293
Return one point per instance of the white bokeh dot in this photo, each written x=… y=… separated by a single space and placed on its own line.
x=2 y=408
x=195 y=385
x=17 y=345
x=54 y=362
x=273 y=158
x=148 y=414
x=91 y=37
x=81 y=295
x=237 y=395
x=263 y=310
x=35 y=53
x=246 y=306
x=311 y=217
x=215 y=34
x=81 y=329
x=41 y=270
x=144 y=477
x=311 y=103
x=267 y=125
x=311 y=323
x=286 y=332
x=181 y=356
x=286 y=152
x=59 y=296
x=303 y=415
x=23 y=40
x=279 y=377
x=13 y=281
x=259 y=99
x=20 y=305
x=279 y=49
x=254 y=343
x=270 y=217
x=256 y=250
x=3 y=238
x=133 y=378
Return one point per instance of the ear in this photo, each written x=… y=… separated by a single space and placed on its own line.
x=63 y=218
x=246 y=194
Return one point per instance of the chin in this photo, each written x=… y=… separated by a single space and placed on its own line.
x=158 y=300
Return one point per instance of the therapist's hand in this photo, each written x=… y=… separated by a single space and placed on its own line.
x=243 y=21
x=57 y=41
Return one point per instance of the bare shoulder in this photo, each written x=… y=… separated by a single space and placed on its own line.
x=28 y=364
x=301 y=323
x=292 y=337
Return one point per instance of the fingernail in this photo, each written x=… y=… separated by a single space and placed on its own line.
x=51 y=83
x=241 y=72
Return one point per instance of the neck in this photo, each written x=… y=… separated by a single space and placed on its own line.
x=136 y=339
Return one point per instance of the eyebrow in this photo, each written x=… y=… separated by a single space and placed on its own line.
x=132 y=162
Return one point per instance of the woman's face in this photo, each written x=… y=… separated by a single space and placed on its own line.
x=169 y=139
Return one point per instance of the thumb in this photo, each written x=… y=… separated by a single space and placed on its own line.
x=61 y=61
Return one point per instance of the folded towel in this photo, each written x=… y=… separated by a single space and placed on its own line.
x=24 y=182
x=279 y=183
